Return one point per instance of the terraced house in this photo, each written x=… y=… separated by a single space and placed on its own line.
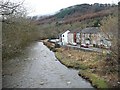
x=91 y=37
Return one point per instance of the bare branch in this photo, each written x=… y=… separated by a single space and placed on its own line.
x=8 y=8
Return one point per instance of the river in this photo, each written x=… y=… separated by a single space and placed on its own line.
x=39 y=68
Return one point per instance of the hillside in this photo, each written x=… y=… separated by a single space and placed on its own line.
x=81 y=9
x=80 y=13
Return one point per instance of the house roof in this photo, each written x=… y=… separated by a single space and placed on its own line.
x=78 y=30
x=89 y=30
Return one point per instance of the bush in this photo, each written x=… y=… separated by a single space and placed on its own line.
x=16 y=36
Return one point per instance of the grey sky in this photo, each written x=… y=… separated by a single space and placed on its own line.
x=42 y=7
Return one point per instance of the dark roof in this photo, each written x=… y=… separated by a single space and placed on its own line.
x=75 y=30
x=89 y=30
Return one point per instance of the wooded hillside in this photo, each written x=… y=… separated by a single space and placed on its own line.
x=80 y=13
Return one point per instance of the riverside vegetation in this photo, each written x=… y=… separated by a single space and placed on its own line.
x=101 y=70
x=93 y=66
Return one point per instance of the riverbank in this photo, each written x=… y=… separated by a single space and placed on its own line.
x=92 y=66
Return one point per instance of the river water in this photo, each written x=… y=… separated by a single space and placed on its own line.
x=39 y=68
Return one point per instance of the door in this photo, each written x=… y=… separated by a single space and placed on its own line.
x=75 y=37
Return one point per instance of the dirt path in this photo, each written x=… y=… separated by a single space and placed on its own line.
x=39 y=68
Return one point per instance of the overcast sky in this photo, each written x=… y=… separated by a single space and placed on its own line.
x=43 y=7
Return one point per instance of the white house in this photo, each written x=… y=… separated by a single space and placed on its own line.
x=64 y=37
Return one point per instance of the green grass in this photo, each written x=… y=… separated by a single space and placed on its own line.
x=94 y=79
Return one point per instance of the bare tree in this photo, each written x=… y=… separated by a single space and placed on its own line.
x=110 y=29
x=8 y=8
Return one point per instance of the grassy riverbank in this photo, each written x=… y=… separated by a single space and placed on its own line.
x=85 y=61
x=93 y=66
